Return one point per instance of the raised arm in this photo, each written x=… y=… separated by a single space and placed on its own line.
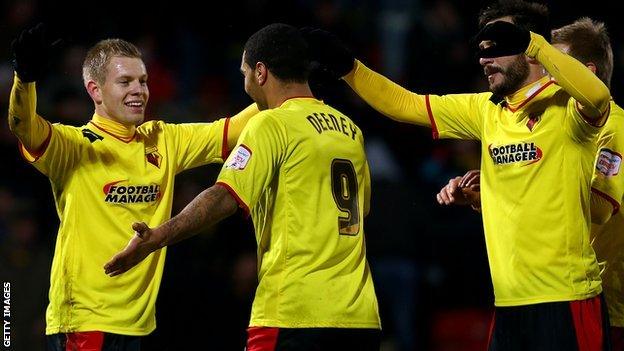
x=208 y=208
x=30 y=51
x=31 y=130
x=574 y=77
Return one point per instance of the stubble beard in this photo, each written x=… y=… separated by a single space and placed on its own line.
x=514 y=76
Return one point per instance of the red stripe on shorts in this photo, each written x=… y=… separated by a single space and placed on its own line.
x=261 y=338
x=587 y=317
x=85 y=341
x=491 y=333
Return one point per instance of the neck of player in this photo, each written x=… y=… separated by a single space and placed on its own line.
x=285 y=91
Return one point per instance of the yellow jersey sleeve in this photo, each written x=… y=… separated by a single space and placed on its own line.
x=573 y=76
x=237 y=123
x=32 y=131
x=196 y=144
x=449 y=116
x=608 y=179
x=387 y=97
x=250 y=168
x=578 y=127
x=61 y=154
x=458 y=116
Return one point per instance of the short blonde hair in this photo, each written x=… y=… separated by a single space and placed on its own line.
x=588 y=41
x=95 y=63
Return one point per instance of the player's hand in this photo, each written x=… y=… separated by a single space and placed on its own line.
x=139 y=247
x=470 y=184
x=503 y=39
x=451 y=194
x=329 y=51
x=31 y=52
x=472 y=179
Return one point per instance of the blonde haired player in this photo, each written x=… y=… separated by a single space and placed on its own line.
x=105 y=175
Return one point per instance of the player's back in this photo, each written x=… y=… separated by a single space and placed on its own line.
x=326 y=163
x=309 y=224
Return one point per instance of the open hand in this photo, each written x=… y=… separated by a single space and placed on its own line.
x=139 y=247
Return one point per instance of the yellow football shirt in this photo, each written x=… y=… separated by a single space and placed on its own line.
x=301 y=170
x=536 y=168
x=608 y=239
x=101 y=185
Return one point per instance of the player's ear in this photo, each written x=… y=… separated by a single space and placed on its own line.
x=591 y=66
x=93 y=89
x=261 y=73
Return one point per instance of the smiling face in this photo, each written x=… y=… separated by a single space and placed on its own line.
x=123 y=94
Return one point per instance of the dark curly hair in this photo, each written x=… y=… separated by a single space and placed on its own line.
x=282 y=48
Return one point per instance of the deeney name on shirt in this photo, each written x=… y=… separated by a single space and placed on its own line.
x=123 y=194
x=327 y=122
x=517 y=152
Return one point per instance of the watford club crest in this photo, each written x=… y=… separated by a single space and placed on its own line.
x=153 y=156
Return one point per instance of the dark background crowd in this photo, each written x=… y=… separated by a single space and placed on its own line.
x=429 y=263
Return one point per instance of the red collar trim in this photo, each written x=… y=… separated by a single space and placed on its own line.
x=530 y=97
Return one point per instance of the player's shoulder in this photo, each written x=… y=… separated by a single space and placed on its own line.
x=310 y=106
x=484 y=99
x=299 y=106
x=69 y=128
x=151 y=127
x=73 y=132
x=487 y=96
x=273 y=116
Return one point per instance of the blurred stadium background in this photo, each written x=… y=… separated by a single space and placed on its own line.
x=429 y=263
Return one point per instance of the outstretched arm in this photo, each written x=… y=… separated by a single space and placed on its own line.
x=387 y=97
x=208 y=208
x=378 y=91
